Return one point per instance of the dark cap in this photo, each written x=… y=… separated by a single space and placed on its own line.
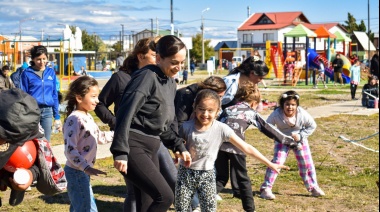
x=19 y=121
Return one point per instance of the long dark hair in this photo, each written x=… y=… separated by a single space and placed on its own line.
x=169 y=45
x=214 y=83
x=251 y=64
x=80 y=87
x=131 y=63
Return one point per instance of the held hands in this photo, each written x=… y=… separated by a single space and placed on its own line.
x=121 y=165
x=185 y=156
x=58 y=125
x=296 y=137
x=92 y=171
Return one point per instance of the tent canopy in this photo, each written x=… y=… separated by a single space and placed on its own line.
x=300 y=31
x=322 y=32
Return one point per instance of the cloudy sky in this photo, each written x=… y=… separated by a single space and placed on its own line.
x=104 y=17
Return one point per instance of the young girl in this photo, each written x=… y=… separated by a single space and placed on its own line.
x=292 y=120
x=239 y=117
x=355 y=78
x=321 y=74
x=203 y=136
x=81 y=135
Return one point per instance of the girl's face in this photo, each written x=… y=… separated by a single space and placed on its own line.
x=5 y=72
x=290 y=107
x=254 y=105
x=172 y=65
x=206 y=111
x=40 y=62
x=147 y=59
x=89 y=101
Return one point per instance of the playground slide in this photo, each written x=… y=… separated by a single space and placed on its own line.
x=313 y=57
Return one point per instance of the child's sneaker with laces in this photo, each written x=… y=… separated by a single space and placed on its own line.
x=317 y=192
x=267 y=194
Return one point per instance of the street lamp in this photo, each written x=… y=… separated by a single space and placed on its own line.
x=19 y=26
x=122 y=37
x=203 y=42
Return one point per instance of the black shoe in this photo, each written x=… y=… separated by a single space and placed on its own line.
x=16 y=197
x=236 y=196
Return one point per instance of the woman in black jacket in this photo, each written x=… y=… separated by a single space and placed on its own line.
x=143 y=120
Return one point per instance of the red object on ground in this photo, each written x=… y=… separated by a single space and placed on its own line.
x=23 y=157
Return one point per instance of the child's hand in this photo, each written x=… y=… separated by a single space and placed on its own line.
x=22 y=187
x=92 y=171
x=277 y=168
x=121 y=165
x=185 y=156
x=296 y=137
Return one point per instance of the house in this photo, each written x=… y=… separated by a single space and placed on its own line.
x=361 y=45
x=12 y=49
x=261 y=27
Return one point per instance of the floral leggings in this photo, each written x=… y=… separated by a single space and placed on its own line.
x=188 y=182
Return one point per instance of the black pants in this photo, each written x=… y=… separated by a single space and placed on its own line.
x=244 y=182
x=353 y=90
x=153 y=193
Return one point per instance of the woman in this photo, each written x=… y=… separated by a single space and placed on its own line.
x=143 y=120
x=39 y=81
x=254 y=70
x=5 y=81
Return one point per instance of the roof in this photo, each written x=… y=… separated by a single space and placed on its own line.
x=322 y=32
x=274 y=20
x=300 y=31
x=226 y=44
x=363 y=40
x=340 y=37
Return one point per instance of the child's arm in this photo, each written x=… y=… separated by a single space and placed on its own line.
x=308 y=127
x=252 y=151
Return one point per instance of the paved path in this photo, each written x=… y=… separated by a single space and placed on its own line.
x=344 y=107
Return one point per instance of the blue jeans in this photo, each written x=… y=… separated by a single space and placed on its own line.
x=79 y=190
x=46 y=121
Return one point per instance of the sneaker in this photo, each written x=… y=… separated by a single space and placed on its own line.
x=197 y=209
x=218 y=198
x=317 y=192
x=267 y=194
x=16 y=197
x=315 y=87
x=325 y=86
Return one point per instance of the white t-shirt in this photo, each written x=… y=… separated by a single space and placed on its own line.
x=204 y=145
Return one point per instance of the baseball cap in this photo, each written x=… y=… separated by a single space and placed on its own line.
x=19 y=121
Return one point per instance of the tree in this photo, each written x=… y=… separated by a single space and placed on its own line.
x=196 y=51
x=350 y=24
x=362 y=27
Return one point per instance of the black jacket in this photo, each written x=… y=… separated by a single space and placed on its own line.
x=147 y=106
x=339 y=65
x=183 y=102
x=111 y=93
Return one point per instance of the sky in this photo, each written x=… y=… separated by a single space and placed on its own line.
x=106 y=17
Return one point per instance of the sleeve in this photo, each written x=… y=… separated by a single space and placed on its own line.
x=134 y=98
x=35 y=172
x=309 y=126
x=172 y=141
x=106 y=98
x=271 y=131
x=182 y=102
x=24 y=82
x=71 y=135
x=55 y=98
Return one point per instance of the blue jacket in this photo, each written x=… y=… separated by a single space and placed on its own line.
x=43 y=90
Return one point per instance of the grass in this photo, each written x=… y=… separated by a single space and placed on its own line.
x=345 y=172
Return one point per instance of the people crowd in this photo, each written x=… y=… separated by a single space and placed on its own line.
x=203 y=124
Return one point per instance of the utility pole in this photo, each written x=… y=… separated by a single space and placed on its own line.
x=151 y=27
x=122 y=37
x=157 y=32
x=369 y=34
x=171 y=17
x=203 y=42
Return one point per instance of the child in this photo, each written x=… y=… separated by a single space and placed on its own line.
x=203 y=136
x=321 y=74
x=372 y=88
x=355 y=78
x=81 y=135
x=185 y=73
x=292 y=120
x=239 y=117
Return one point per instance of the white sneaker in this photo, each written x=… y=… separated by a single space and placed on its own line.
x=317 y=192
x=218 y=198
x=267 y=194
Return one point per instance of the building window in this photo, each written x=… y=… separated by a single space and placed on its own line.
x=246 y=38
x=265 y=20
x=268 y=36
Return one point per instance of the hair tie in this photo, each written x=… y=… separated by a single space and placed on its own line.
x=284 y=96
x=256 y=58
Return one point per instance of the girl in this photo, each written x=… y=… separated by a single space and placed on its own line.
x=203 y=136
x=294 y=121
x=5 y=81
x=239 y=117
x=40 y=81
x=81 y=135
x=143 y=121
x=321 y=74
x=355 y=78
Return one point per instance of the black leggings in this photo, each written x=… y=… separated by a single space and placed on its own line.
x=353 y=90
x=144 y=173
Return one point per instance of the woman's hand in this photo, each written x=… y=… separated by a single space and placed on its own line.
x=93 y=171
x=121 y=165
x=58 y=125
x=185 y=156
x=22 y=187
